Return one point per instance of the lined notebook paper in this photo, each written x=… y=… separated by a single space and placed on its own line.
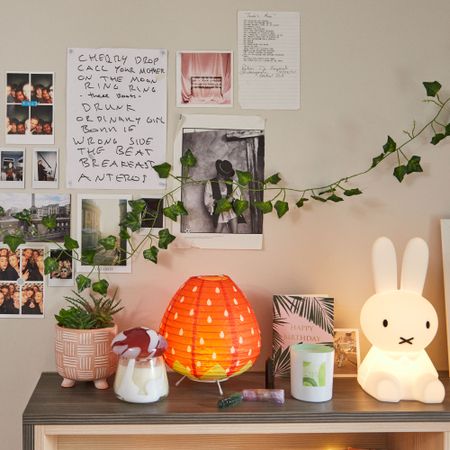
x=269 y=59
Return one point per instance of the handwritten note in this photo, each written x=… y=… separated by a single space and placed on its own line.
x=116 y=118
x=269 y=60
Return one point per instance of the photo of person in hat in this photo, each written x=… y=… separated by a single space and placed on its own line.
x=218 y=188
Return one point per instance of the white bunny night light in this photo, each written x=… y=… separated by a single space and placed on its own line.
x=399 y=323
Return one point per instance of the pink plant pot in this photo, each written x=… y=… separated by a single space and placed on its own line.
x=85 y=355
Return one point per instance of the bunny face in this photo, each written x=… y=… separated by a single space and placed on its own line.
x=399 y=321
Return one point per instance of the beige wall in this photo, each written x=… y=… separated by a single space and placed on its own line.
x=362 y=64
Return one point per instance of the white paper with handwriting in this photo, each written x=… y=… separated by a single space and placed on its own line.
x=269 y=59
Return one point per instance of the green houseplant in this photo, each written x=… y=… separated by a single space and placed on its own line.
x=84 y=333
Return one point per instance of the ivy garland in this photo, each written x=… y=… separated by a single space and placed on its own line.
x=151 y=244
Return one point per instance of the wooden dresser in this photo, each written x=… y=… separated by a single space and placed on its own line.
x=85 y=418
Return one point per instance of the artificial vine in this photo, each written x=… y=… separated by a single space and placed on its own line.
x=151 y=243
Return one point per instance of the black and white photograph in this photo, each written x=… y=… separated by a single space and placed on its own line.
x=63 y=275
x=12 y=166
x=346 y=352
x=37 y=206
x=45 y=168
x=152 y=217
x=99 y=217
x=29 y=108
x=222 y=147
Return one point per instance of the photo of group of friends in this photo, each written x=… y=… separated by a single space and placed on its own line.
x=29 y=108
x=22 y=282
x=63 y=275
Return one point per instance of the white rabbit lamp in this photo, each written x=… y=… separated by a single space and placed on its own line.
x=399 y=323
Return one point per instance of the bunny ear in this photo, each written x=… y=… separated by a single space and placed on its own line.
x=384 y=264
x=415 y=265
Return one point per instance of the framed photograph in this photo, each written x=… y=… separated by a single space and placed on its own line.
x=223 y=145
x=39 y=206
x=445 y=237
x=152 y=217
x=346 y=352
x=63 y=275
x=12 y=168
x=29 y=108
x=98 y=218
x=45 y=168
x=22 y=282
x=205 y=78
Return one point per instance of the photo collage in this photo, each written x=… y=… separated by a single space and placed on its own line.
x=22 y=282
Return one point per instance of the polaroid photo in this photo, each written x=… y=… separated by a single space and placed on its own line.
x=152 y=218
x=39 y=206
x=45 y=168
x=22 y=282
x=12 y=168
x=29 y=108
x=63 y=275
x=205 y=78
x=99 y=217
x=223 y=144
x=346 y=352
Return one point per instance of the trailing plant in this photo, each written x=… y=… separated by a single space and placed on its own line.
x=336 y=191
x=96 y=312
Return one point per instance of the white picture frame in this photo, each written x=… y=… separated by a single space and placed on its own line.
x=98 y=217
x=445 y=238
x=347 y=357
x=153 y=201
x=45 y=168
x=12 y=168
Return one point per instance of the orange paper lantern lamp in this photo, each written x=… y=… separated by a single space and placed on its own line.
x=211 y=330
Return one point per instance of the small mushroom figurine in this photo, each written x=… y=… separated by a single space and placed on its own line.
x=141 y=375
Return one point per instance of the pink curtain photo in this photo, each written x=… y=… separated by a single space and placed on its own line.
x=206 y=78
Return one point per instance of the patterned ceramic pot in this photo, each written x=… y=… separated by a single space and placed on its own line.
x=85 y=355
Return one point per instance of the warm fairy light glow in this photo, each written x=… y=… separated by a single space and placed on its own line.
x=211 y=330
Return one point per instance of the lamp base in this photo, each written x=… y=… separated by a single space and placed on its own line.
x=204 y=381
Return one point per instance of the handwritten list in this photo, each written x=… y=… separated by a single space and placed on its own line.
x=269 y=60
x=116 y=117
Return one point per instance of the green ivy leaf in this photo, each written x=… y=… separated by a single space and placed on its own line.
x=301 y=202
x=222 y=205
x=123 y=233
x=432 y=87
x=264 y=207
x=273 y=179
x=49 y=222
x=83 y=282
x=50 y=265
x=240 y=206
x=137 y=206
x=87 y=257
x=328 y=191
x=351 y=192
x=447 y=133
x=244 y=177
x=2 y=211
x=69 y=243
x=23 y=216
x=170 y=213
x=151 y=254
x=13 y=241
x=335 y=198
x=377 y=160
x=165 y=238
x=437 y=138
x=180 y=209
x=400 y=172
x=414 y=165
x=188 y=159
x=390 y=146
x=108 y=243
x=163 y=170
x=281 y=208
x=319 y=199
x=101 y=287
x=132 y=220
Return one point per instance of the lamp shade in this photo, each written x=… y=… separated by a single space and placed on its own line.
x=211 y=330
